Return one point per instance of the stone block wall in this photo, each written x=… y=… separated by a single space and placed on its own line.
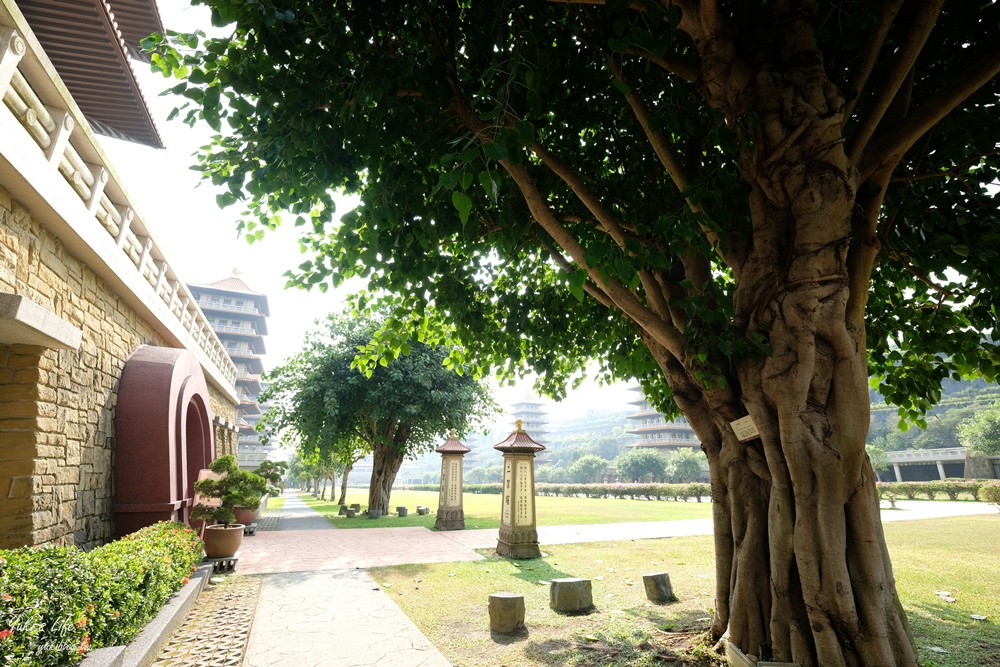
x=57 y=406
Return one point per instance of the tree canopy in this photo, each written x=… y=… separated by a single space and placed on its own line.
x=752 y=207
x=403 y=408
x=634 y=465
x=981 y=432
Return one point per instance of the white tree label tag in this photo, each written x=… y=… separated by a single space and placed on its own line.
x=745 y=429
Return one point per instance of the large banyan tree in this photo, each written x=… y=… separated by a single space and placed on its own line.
x=756 y=208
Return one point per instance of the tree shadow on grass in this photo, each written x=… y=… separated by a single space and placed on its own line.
x=967 y=641
x=671 y=620
x=531 y=570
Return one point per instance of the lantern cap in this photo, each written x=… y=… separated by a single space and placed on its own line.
x=452 y=445
x=519 y=441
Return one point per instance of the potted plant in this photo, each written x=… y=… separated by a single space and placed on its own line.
x=273 y=472
x=231 y=489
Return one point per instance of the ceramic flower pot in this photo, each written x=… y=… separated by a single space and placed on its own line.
x=223 y=542
x=244 y=515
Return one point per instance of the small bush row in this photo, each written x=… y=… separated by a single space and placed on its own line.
x=951 y=489
x=684 y=492
x=990 y=493
x=58 y=603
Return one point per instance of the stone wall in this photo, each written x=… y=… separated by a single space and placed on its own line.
x=57 y=406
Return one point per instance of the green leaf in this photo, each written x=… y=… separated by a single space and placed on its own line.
x=463 y=203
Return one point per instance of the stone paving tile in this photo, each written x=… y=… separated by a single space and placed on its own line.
x=342 y=617
x=312 y=550
x=215 y=632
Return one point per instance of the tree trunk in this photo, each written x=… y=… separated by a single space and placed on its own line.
x=322 y=495
x=386 y=461
x=802 y=571
x=343 y=484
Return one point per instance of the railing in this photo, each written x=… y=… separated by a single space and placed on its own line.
x=229 y=308
x=62 y=136
x=928 y=455
x=247 y=377
x=243 y=331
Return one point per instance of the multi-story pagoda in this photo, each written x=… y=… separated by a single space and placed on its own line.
x=654 y=431
x=238 y=315
x=530 y=411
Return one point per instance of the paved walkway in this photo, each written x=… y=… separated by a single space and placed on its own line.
x=316 y=610
x=318 y=607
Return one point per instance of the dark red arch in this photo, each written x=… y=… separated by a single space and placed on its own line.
x=163 y=437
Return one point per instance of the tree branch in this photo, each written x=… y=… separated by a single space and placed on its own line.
x=923 y=24
x=888 y=149
x=605 y=218
x=869 y=56
x=588 y=286
x=687 y=71
x=668 y=158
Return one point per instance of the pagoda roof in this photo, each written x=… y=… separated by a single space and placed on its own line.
x=452 y=445
x=519 y=441
x=92 y=43
x=235 y=285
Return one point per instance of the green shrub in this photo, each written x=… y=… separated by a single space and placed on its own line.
x=57 y=603
x=990 y=493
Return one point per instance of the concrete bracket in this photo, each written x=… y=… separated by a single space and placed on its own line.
x=24 y=322
x=60 y=138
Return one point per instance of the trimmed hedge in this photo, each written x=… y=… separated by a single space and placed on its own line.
x=932 y=490
x=990 y=492
x=58 y=603
x=953 y=489
x=684 y=492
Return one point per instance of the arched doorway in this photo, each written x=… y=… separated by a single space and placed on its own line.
x=163 y=437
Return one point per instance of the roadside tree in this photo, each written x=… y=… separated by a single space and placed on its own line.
x=588 y=468
x=685 y=465
x=400 y=410
x=749 y=206
x=640 y=463
x=981 y=433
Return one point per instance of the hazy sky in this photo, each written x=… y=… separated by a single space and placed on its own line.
x=199 y=240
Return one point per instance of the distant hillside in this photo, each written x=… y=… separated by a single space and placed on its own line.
x=959 y=401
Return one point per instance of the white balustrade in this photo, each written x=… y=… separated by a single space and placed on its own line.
x=55 y=129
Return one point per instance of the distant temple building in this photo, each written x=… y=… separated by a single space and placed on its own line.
x=654 y=431
x=530 y=410
x=238 y=315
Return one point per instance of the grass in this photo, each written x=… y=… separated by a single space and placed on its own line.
x=447 y=601
x=276 y=504
x=483 y=511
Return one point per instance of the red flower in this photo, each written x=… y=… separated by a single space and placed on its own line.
x=117 y=613
x=84 y=644
x=5 y=633
x=6 y=598
x=185 y=580
x=82 y=622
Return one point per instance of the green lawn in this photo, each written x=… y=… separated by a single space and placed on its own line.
x=483 y=511
x=448 y=600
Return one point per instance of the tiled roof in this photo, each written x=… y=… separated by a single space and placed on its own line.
x=231 y=284
x=452 y=446
x=88 y=42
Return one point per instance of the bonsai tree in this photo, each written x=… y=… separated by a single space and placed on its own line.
x=273 y=472
x=234 y=488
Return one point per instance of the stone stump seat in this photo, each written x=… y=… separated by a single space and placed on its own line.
x=571 y=595
x=658 y=587
x=506 y=612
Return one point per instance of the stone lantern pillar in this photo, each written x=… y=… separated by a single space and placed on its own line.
x=518 y=531
x=450 y=515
